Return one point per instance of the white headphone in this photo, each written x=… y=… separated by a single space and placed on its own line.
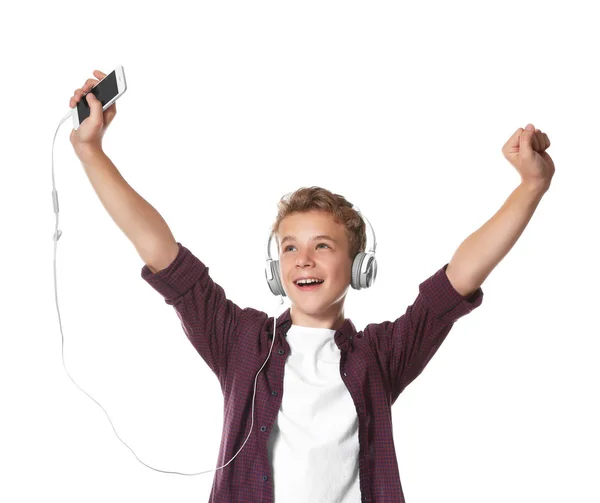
x=364 y=267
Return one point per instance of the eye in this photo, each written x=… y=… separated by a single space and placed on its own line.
x=292 y=246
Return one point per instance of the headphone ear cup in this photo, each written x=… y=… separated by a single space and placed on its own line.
x=274 y=284
x=364 y=270
x=355 y=281
x=371 y=270
x=277 y=278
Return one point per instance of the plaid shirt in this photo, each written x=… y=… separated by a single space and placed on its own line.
x=376 y=365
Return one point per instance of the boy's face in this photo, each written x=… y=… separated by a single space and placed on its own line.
x=320 y=258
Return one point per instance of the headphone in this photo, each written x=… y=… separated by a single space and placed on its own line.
x=364 y=267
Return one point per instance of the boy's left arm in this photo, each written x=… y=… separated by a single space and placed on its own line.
x=477 y=256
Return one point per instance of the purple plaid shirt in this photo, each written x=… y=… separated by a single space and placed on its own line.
x=376 y=365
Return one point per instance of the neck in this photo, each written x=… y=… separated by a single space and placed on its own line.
x=332 y=318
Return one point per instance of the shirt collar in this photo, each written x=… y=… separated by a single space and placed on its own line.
x=343 y=335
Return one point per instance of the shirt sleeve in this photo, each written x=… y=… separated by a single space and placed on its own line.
x=208 y=318
x=405 y=346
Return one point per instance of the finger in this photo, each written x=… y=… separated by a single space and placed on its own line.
x=95 y=107
x=526 y=147
x=513 y=142
x=85 y=88
x=532 y=137
x=541 y=141
x=537 y=143
x=89 y=83
x=79 y=93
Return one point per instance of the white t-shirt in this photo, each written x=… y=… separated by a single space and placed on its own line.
x=313 y=446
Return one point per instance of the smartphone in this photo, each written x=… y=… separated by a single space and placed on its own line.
x=107 y=91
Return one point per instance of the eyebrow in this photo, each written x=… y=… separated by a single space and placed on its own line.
x=320 y=236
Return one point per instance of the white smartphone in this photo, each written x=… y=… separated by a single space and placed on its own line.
x=107 y=91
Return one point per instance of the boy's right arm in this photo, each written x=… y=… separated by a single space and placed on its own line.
x=208 y=317
x=140 y=222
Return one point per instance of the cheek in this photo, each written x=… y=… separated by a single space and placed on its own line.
x=341 y=273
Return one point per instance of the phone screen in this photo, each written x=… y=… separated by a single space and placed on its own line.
x=105 y=91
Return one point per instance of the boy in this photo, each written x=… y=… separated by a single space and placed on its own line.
x=322 y=427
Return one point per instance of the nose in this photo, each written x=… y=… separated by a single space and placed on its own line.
x=304 y=257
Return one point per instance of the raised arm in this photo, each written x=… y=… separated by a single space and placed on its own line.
x=481 y=252
x=140 y=222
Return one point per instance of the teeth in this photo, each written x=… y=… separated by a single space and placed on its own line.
x=307 y=281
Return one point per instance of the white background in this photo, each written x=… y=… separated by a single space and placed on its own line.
x=403 y=108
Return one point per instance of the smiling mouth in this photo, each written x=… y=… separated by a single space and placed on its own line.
x=308 y=287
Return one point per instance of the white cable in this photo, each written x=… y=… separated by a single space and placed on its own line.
x=56 y=237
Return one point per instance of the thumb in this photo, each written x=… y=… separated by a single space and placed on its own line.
x=95 y=107
x=525 y=139
x=512 y=145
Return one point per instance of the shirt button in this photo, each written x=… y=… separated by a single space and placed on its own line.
x=263 y=428
x=281 y=351
x=274 y=393
x=344 y=374
x=264 y=477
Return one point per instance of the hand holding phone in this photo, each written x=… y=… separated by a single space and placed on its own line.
x=94 y=108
